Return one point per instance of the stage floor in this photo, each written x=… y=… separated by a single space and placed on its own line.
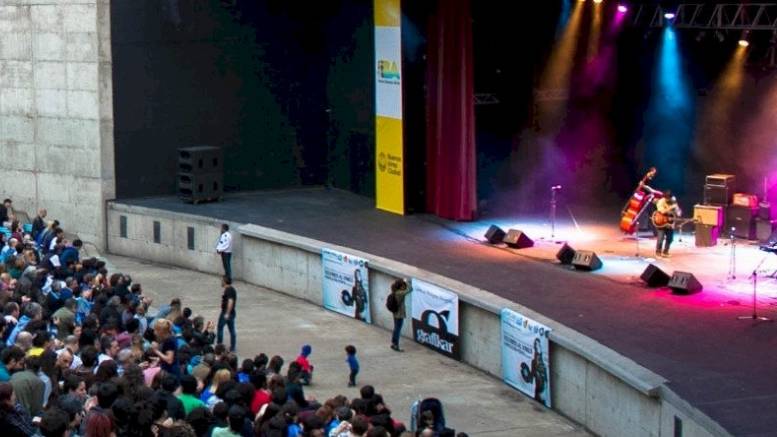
x=721 y=365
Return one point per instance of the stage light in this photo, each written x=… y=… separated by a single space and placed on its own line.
x=597 y=1
x=743 y=43
x=623 y=9
x=669 y=15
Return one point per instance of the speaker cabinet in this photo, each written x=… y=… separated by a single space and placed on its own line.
x=586 y=260
x=706 y=235
x=517 y=239
x=708 y=215
x=654 y=276
x=565 y=254
x=495 y=234
x=764 y=229
x=742 y=219
x=684 y=283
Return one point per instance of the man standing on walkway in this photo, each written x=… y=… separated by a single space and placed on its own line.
x=224 y=248
x=227 y=316
x=399 y=289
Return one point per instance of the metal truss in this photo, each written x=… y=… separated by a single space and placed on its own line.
x=723 y=16
x=486 y=99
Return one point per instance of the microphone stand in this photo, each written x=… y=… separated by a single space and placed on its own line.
x=755 y=317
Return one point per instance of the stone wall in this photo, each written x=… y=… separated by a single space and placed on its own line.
x=56 y=111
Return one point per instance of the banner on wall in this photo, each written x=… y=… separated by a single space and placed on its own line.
x=525 y=355
x=389 y=165
x=435 y=313
x=346 y=285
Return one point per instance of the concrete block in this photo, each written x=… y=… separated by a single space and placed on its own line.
x=82 y=76
x=16 y=45
x=81 y=47
x=16 y=101
x=46 y=18
x=50 y=75
x=48 y=46
x=104 y=32
x=105 y=83
x=16 y=128
x=51 y=103
x=67 y=160
x=13 y=18
x=568 y=383
x=80 y=18
x=17 y=156
x=16 y=74
x=83 y=104
x=20 y=183
x=480 y=340
x=68 y=132
x=615 y=409
x=689 y=427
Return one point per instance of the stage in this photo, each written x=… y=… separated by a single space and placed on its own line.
x=723 y=366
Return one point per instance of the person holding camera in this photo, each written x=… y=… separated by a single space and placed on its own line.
x=395 y=302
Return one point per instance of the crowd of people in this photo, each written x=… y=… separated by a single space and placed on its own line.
x=82 y=355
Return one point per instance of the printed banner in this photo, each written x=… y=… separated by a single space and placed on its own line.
x=436 y=318
x=346 y=284
x=525 y=355
x=389 y=151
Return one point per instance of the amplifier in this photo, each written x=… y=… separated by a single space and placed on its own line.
x=721 y=180
x=746 y=200
x=765 y=210
x=708 y=215
x=764 y=229
x=742 y=220
x=717 y=195
x=706 y=235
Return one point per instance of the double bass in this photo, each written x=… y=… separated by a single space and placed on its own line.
x=638 y=203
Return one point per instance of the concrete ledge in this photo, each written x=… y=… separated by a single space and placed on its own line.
x=591 y=383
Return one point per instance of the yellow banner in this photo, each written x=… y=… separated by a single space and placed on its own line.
x=389 y=168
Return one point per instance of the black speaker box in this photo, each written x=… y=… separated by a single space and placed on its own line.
x=654 y=276
x=586 y=260
x=565 y=254
x=517 y=239
x=495 y=234
x=717 y=195
x=684 y=283
x=200 y=160
x=742 y=219
x=765 y=210
x=706 y=235
x=764 y=229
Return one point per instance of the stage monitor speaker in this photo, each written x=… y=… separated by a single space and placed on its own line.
x=586 y=260
x=517 y=239
x=653 y=276
x=742 y=219
x=495 y=234
x=565 y=254
x=684 y=283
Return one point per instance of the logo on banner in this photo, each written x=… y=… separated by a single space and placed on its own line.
x=382 y=162
x=436 y=318
x=432 y=331
x=388 y=72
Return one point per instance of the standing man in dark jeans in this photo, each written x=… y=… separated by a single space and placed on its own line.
x=399 y=288
x=227 y=316
x=224 y=248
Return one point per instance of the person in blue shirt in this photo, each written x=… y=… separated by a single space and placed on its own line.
x=70 y=253
x=353 y=364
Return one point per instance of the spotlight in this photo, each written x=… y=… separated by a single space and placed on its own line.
x=669 y=15
x=623 y=9
x=597 y=1
x=743 y=43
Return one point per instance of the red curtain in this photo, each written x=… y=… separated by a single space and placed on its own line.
x=450 y=143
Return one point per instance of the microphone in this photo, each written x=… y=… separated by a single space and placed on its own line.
x=555 y=187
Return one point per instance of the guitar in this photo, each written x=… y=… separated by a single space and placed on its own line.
x=662 y=220
x=638 y=202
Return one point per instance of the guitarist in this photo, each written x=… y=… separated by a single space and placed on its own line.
x=668 y=207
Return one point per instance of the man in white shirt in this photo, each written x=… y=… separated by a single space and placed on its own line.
x=224 y=248
x=667 y=206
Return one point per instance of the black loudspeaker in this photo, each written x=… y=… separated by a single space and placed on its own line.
x=684 y=283
x=586 y=260
x=764 y=229
x=654 y=276
x=495 y=234
x=743 y=220
x=706 y=235
x=517 y=239
x=765 y=210
x=565 y=254
x=200 y=174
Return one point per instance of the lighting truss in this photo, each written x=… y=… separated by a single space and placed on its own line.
x=723 y=16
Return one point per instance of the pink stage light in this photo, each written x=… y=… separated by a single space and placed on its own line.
x=623 y=9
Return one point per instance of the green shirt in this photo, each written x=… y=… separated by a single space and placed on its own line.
x=190 y=402
x=224 y=432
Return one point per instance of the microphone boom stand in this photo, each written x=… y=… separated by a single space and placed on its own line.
x=755 y=317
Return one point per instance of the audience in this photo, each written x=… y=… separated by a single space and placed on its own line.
x=81 y=354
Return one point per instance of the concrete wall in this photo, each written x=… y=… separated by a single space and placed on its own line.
x=56 y=111
x=591 y=384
